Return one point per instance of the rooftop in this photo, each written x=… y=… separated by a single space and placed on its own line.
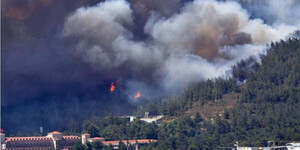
x=55 y=132
x=30 y=138
x=129 y=141
x=95 y=138
x=71 y=137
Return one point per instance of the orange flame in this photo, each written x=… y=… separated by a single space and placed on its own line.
x=112 y=87
x=138 y=95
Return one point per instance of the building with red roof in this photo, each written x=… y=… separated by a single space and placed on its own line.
x=55 y=140
x=137 y=142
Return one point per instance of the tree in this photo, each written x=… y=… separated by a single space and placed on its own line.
x=97 y=145
x=93 y=130
x=122 y=146
x=198 y=118
x=88 y=146
x=108 y=147
x=78 y=146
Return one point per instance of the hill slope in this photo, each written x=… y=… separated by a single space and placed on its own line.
x=218 y=112
x=265 y=108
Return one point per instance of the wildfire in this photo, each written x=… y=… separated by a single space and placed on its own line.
x=112 y=87
x=138 y=95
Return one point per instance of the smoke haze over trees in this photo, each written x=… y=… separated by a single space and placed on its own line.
x=60 y=57
x=267 y=108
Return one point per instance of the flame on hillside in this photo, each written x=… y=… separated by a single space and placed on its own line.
x=112 y=87
x=138 y=95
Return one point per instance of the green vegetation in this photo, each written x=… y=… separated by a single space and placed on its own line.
x=91 y=146
x=267 y=108
x=113 y=128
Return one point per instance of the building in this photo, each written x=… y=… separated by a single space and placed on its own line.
x=55 y=140
x=87 y=138
x=147 y=118
x=270 y=146
x=129 y=118
x=155 y=119
x=152 y=119
x=136 y=143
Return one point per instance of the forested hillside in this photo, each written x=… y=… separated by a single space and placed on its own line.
x=266 y=107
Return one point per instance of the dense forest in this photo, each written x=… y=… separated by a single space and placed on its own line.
x=267 y=108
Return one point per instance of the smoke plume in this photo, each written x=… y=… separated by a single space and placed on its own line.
x=199 y=42
x=64 y=55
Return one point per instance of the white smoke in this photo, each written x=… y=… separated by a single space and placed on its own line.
x=200 y=42
x=97 y=27
x=287 y=12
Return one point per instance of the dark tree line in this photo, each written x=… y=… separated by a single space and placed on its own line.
x=268 y=109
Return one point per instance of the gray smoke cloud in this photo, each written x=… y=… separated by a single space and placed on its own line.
x=60 y=57
x=201 y=41
x=273 y=12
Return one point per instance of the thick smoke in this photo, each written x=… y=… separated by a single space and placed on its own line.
x=201 y=41
x=63 y=55
x=274 y=12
